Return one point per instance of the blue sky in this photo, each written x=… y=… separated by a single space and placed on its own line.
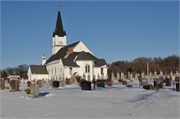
x=113 y=31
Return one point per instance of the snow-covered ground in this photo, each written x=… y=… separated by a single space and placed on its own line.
x=118 y=101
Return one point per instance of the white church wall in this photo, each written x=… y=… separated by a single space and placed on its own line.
x=53 y=70
x=82 y=68
x=39 y=76
x=97 y=71
x=67 y=71
x=81 y=47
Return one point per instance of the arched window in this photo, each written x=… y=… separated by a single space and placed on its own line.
x=87 y=68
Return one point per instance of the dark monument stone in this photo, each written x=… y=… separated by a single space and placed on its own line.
x=100 y=83
x=124 y=82
x=129 y=85
x=81 y=81
x=110 y=83
x=177 y=79
x=160 y=85
x=161 y=78
x=2 y=84
x=148 y=87
x=177 y=87
x=155 y=79
x=14 y=85
x=67 y=81
x=85 y=85
x=120 y=80
x=168 y=82
x=55 y=83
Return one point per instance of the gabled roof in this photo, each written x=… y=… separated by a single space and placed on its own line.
x=61 y=53
x=100 y=62
x=69 y=62
x=85 y=56
x=59 y=27
x=38 y=69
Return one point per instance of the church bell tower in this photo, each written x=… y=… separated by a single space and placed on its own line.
x=59 y=35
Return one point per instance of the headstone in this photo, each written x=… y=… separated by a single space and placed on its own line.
x=170 y=77
x=148 y=87
x=158 y=83
x=147 y=68
x=110 y=83
x=144 y=81
x=155 y=74
x=68 y=81
x=150 y=75
x=136 y=77
x=100 y=83
x=55 y=83
x=124 y=82
x=177 y=74
x=112 y=76
x=161 y=74
x=165 y=74
x=50 y=83
x=34 y=90
x=85 y=85
x=2 y=84
x=122 y=75
x=177 y=87
x=143 y=75
x=161 y=78
x=118 y=76
x=129 y=75
x=41 y=83
x=155 y=79
x=25 y=82
x=6 y=81
x=63 y=83
x=14 y=85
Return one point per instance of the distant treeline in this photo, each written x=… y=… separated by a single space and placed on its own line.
x=170 y=63
x=20 y=70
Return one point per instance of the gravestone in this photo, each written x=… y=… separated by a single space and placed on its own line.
x=150 y=76
x=112 y=76
x=155 y=74
x=177 y=87
x=158 y=83
x=41 y=83
x=155 y=79
x=98 y=76
x=14 y=85
x=177 y=74
x=34 y=91
x=63 y=83
x=67 y=81
x=2 y=84
x=148 y=87
x=161 y=78
x=85 y=85
x=50 y=83
x=144 y=81
x=22 y=81
x=6 y=81
x=165 y=74
x=136 y=77
x=124 y=82
x=55 y=83
x=84 y=76
x=143 y=75
x=129 y=75
x=118 y=76
x=161 y=74
x=122 y=75
x=110 y=83
x=100 y=83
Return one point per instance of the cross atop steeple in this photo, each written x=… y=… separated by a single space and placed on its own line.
x=59 y=6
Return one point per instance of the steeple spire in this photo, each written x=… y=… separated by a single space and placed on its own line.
x=59 y=27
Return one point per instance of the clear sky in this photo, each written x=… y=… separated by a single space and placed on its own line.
x=113 y=31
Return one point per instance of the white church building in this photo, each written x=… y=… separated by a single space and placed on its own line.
x=68 y=60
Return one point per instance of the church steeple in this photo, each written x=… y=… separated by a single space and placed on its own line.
x=59 y=35
x=59 y=27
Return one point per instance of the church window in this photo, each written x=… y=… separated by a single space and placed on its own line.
x=101 y=70
x=87 y=68
x=70 y=70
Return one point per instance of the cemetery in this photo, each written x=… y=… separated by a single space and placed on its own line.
x=138 y=96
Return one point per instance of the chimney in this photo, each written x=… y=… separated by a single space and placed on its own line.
x=70 y=50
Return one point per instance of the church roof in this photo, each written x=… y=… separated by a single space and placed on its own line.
x=59 y=27
x=69 y=62
x=100 y=62
x=38 y=69
x=61 y=53
x=85 y=56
